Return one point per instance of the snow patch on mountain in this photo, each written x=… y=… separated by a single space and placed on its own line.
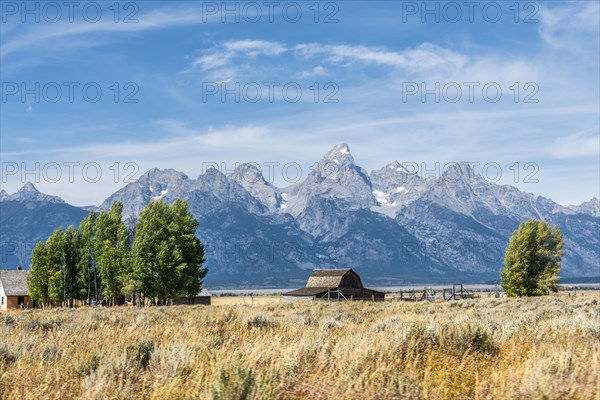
x=161 y=195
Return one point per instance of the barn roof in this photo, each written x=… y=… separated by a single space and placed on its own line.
x=327 y=278
x=14 y=282
x=307 y=291
x=330 y=272
x=204 y=293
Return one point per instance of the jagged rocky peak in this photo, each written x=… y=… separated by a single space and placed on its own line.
x=339 y=154
x=248 y=174
x=29 y=193
x=459 y=171
x=336 y=177
x=591 y=207
x=158 y=183
x=3 y=195
x=165 y=175
x=212 y=177
x=395 y=185
x=216 y=182
x=396 y=168
x=251 y=178
x=337 y=166
x=391 y=176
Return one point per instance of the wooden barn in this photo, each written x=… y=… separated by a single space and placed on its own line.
x=204 y=297
x=14 y=289
x=334 y=284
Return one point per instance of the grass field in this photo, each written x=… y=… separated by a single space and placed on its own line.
x=546 y=348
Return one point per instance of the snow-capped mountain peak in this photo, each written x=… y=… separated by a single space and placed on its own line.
x=339 y=155
x=335 y=176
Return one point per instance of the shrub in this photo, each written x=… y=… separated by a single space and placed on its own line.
x=7 y=356
x=472 y=338
x=260 y=321
x=88 y=366
x=233 y=383
x=138 y=355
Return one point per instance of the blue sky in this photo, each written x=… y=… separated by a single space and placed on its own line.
x=163 y=71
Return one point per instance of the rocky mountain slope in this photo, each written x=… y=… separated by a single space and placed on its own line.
x=392 y=226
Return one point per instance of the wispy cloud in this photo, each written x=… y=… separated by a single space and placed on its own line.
x=224 y=54
x=576 y=145
x=65 y=34
x=315 y=72
x=425 y=56
x=568 y=24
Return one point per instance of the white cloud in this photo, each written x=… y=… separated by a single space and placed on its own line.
x=315 y=72
x=425 y=56
x=254 y=48
x=569 y=25
x=576 y=145
x=64 y=34
x=224 y=54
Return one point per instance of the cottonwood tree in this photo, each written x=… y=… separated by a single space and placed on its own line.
x=168 y=256
x=89 y=281
x=39 y=277
x=532 y=260
x=54 y=275
x=100 y=261
x=112 y=248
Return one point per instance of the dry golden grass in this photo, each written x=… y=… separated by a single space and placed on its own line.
x=244 y=300
x=472 y=349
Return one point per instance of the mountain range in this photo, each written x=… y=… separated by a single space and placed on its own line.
x=392 y=226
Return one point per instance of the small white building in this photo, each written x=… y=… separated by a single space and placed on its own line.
x=14 y=289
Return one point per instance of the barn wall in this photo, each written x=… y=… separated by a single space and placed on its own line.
x=367 y=293
x=193 y=300
x=2 y=304
x=11 y=302
x=206 y=300
x=351 y=280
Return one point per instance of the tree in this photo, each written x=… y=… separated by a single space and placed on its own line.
x=95 y=260
x=39 y=277
x=87 y=271
x=532 y=260
x=190 y=273
x=69 y=271
x=168 y=256
x=55 y=257
x=112 y=251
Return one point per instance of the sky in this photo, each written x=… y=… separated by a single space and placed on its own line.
x=96 y=93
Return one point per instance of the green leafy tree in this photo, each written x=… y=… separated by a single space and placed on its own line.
x=112 y=251
x=54 y=274
x=190 y=273
x=89 y=281
x=69 y=269
x=168 y=256
x=39 y=277
x=55 y=246
x=532 y=260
